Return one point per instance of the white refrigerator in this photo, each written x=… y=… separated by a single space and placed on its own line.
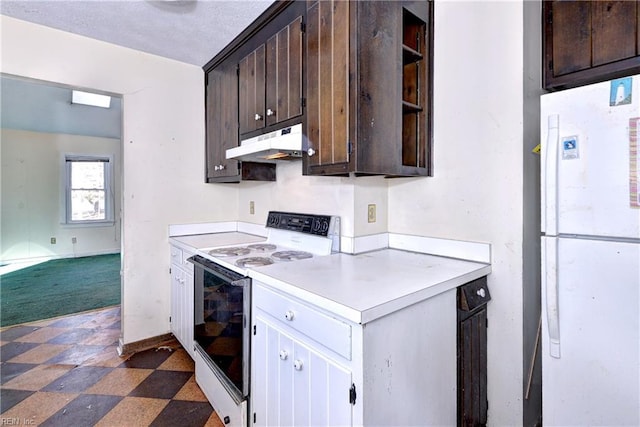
x=591 y=255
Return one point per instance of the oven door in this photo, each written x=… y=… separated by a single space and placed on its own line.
x=221 y=319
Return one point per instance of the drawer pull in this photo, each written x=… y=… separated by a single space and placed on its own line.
x=297 y=365
x=283 y=354
x=481 y=293
x=289 y=315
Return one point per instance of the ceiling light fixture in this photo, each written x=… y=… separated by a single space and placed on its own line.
x=88 y=98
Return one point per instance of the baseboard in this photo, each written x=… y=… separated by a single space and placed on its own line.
x=44 y=258
x=125 y=350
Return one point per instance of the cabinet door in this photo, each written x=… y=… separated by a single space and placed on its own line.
x=294 y=384
x=284 y=74
x=472 y=370
x=182 y=307
x=327 y=109
x=176 y=287
x=221 y=121
x=187 y=314
x=251 y=90
x=590 y=41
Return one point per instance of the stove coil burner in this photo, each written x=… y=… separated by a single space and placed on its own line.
x=229 y=252
x=262 y=247
x=291 y=255
x=254 y=262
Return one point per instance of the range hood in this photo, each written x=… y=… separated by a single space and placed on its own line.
x=283 y=144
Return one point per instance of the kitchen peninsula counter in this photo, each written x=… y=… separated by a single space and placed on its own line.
x=346 y=324
x=358 y=287
x=365 y=287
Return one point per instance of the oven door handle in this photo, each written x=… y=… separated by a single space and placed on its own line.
x=239 y=283
x=227 y=275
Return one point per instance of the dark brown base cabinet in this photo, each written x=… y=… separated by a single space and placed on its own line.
x=472 y=353
x=589 y=41
x=368 y=88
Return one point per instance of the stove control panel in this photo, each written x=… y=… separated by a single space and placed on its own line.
x=319 y=225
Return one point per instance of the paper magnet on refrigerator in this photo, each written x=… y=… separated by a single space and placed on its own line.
x=620 y=91
x=570 y=147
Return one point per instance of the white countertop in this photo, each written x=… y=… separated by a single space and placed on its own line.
x=364 y=287
x=358 y=287
x=212 y=240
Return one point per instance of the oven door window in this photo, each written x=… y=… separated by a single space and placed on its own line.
x=220 y=310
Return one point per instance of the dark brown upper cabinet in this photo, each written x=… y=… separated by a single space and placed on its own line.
x=368 y=88
x=589 y=41
x=270 y=80
x=221 y=122
x=251 y=92
x=222 y=130
x=258 y=74
x=284 y=73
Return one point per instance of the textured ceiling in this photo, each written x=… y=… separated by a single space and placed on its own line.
x=188 y=31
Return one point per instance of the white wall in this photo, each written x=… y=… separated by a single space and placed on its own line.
x=32 y=210
x=476 y=191
x=346 y=197
x=163 y=151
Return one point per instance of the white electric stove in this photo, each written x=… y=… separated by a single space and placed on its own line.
x=291 y=237
x=222 y=301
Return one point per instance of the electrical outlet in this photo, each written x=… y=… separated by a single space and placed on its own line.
x=53 y=240
x=74 y=240
x=252 y=207
x=371 y=213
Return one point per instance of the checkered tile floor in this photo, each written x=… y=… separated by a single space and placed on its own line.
x=66 y=372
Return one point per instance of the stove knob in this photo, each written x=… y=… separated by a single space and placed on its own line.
x=289 y=315
x=283 y=354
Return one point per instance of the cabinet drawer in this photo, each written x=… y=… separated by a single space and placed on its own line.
x=186 y=264
x=179 y=257
x=326 y=330
x=473 y=295
x=176 y=255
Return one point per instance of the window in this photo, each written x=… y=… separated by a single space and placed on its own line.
x=88 y=196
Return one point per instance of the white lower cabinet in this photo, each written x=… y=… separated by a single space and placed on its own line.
x=182 y=298
x=294 y=384
x=312 y=368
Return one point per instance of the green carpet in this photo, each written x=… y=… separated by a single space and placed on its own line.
x=58 y=287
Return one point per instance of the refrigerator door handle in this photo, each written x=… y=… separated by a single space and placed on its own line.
x=550 y=279
x=550 y=177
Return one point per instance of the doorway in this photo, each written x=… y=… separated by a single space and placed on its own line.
x=43 y=131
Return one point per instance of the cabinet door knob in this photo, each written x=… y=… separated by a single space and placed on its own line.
x=297 y=365
x=283 y=354
x=481 y=293
x=215 y=168
x=289 y=315
x=270 y=112
x=222 y=167
x=258 y=117
x=311 y=152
